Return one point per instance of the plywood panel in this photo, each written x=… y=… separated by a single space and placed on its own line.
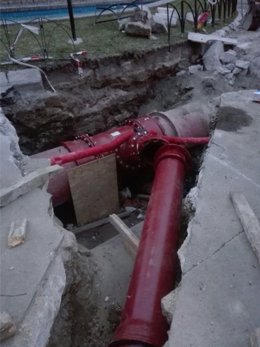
x=94 y=189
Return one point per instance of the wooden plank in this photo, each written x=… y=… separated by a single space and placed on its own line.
x=100 y=222
x=248 y=220
x=27 y=183
x=202 y=38
x=94 y=189
x=130 y=240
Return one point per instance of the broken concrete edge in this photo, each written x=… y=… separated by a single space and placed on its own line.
x=189 y=204
x=169 y=301
x=26 y=184
x=35 y=329
x=7 y=326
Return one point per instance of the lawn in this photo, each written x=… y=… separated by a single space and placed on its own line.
x=102 y=39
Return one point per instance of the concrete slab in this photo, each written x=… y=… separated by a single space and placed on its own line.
x=23 y=267
x=32 y=276
x=26 y=80
x=217 y=300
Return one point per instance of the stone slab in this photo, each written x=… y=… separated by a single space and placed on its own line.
x=202 y=38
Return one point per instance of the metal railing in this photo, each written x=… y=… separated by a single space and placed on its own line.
x=219 y=11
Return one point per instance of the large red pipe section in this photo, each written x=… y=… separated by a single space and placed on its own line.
x=155 y=266
x=166 y=127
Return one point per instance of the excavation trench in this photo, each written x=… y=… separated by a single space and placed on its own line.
x=111 y=91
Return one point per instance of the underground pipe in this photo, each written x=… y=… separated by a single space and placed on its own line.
x=167 y=126
x=156 y=262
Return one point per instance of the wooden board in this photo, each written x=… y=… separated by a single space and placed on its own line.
x=94 y=189
x=202 y=38
x=131 y=241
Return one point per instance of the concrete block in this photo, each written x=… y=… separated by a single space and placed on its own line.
x=242 y=64
x=17 y=233
x=223 y=70
x=7 y=326
x=237 y=71
x=193 y=69
x=27 y=80
x=230 y=66
x=138 y=29
x=211 y=58
x=228 y=57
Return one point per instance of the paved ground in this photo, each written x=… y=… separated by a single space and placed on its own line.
x=216 y=303
x=32 y=276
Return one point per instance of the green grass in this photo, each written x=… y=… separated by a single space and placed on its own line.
x=102 y=39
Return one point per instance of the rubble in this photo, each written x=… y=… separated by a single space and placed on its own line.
x=228 y=57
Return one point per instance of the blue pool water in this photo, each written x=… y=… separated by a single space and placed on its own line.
x=46 y=13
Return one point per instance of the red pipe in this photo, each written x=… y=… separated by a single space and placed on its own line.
x=156 y=262
x=101 y=149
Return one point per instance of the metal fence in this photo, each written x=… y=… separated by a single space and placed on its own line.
x=219 y=11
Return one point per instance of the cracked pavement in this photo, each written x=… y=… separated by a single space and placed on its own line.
x=216 y=302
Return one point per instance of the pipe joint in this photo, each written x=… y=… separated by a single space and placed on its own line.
x=174 y=152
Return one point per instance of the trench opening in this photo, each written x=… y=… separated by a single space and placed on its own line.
x=92 y=303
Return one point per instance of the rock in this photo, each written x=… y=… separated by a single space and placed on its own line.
x=237 y=71
x=242 y=64
x=139 y=16
x=138 y=29
x=222 y=70
x=229 y=76
x=211 y=58
x=230 y=66
x=181 y=73
x=122 y=23
x=159 y=28
x=195 y=68
x=7 y=326
x=228 y=57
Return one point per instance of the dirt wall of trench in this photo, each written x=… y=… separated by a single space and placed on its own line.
x=111 y=90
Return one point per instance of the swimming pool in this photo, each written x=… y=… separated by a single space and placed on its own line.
x=46 y=13
x=57 y=13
